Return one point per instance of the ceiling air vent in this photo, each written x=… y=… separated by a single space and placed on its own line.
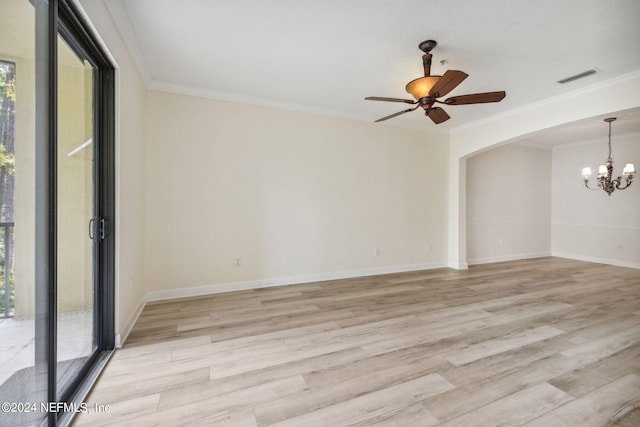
x=578 y=76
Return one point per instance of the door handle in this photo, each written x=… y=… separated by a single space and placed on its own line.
x=100 y=231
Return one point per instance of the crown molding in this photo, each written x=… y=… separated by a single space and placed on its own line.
x=120 y=19
x=598 y=140
x=272 y=103
x=634 y=75
x=118 y=12
x=535 y=145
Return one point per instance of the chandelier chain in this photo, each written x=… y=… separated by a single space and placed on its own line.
x=609 y=158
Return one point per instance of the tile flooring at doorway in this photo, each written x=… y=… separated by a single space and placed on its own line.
x=17 y=341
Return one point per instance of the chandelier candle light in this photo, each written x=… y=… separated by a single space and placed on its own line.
x=605 y=172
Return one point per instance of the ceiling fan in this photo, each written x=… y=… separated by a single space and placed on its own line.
x=427 y=89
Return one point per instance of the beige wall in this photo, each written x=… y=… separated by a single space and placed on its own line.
x=591 y=225
x=508 y=204
x=289 y=194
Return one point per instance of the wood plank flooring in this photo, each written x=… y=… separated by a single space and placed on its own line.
x=543 y=342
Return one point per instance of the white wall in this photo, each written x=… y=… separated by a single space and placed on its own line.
x=294 y=196
x=615 y=95
x=508 y=204
x=130 y=171
x=591 y=225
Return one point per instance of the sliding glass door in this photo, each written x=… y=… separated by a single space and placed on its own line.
x=77 y=229
x=56 y=211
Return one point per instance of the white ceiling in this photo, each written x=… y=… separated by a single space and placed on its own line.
x=326 y=56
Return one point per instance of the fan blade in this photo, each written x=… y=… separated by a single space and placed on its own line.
x=437 y=114
x=447 y=83
x=476 y=98
x=380 y=98
x=397 y=114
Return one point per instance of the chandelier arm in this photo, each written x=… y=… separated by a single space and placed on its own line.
x=627 y=181
x=586 y=184
x=616 y=182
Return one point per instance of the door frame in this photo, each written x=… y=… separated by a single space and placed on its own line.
x=63 y=18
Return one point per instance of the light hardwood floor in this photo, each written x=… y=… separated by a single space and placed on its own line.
x=543 y=342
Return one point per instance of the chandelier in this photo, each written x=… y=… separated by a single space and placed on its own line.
x=604 y=179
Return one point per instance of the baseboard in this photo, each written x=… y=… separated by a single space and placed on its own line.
x=510 y=257
x=122 y=336
x=597 y=260
x=459 y=266
x=283 y=281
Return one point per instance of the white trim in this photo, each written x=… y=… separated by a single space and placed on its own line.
x=492 y=223
x=608 y=261
x=250 y=100
x=511 y=257
x=460 y=266
x=547 y=101
x=120 y=19
x=608 y=226
x=199 y=92
x=598 y=140
x=283 y=281
x=94 y=32
x=576 y=144
x=122 y=336
x=534 y=145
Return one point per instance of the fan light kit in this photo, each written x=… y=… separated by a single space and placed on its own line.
x=605 y=172
x=425 y=90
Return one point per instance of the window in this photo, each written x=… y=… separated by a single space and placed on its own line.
x=7 y=185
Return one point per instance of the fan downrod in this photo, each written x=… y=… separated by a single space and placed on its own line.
x=427 y=45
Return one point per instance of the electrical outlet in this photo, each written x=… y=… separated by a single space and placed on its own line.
x=376 y=251
x=238 y=262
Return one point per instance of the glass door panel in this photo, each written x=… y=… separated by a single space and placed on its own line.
x=76 y=227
